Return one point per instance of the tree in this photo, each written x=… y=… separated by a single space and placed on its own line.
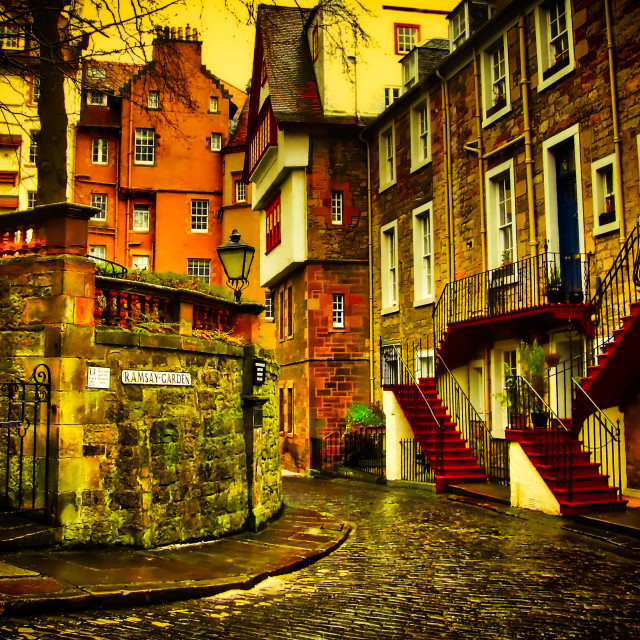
x=50 y=39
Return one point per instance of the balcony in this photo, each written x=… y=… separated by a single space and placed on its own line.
x=548 y=289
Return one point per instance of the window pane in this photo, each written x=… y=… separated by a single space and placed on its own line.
x=200 y=268
x=199 y=215
x=99 y=201
x=144 y=146
x=337 y=198
x=141 y=217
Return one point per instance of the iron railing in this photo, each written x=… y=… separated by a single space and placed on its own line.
x=414 y=465
x=546 y=278
x=362 y=449
x=25 y=426
x=492 y=454
x=406 y=363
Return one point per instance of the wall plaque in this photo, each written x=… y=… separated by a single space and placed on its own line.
x=98 y=377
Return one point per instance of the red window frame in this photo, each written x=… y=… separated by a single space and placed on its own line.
x=396 y=26
x=272 y=223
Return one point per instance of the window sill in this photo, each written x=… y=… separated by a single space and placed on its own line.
x=199 y=230
x=421 y=302
x=143 y=164
x=385 y=186
x=549 y=79
x=493 y=114
x=389 y=310
x=419 y=165
x=600 y=230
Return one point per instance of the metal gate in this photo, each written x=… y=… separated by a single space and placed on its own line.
x=25 y=424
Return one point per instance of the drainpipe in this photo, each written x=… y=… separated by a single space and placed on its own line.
x=528 y=156
x=370 y=256
x=447 y=138
x=483 y=221
x=129 y=170
x=617 y=142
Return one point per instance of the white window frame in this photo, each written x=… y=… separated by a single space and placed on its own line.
x=407 y=36
x=423 y=255
x=269 y=306
x=599 y=170
x=420 y=131
x=491 y=111
x=459 y=27
x=99 y=201
x=425 y=363
x=338 y=311
x=31 y=199
x=100 y=151
x=141 y=262
x=391 y=94
x=96 y=98
x=409 y=70
x=389 y=273
x=216 y=141
x=98 y=251
x=544 y=43
x=213 y=104
x=240 y=189
x=11 y=36
x=337 y=208
x=141 y=217
x=496 y=245
x=33 y=147
x=145 y=146
x=153 y=100
x=200 y=268
x=387 y=157
x=199 y=215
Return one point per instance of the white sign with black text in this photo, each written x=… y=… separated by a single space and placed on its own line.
x=168 y=378
x=98 y=377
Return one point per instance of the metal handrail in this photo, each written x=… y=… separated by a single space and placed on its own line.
x=543 y=404
x=598 y=409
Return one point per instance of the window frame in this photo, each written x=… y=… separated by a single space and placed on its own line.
x=423 y=283
x=387 y=158
x=154 y=103
x=239 y=191
x=391 y=94
x=11 y=37
x=96 y=98
x=93 y=253
x=33 y=147
x=398 y=37
x=214 y=104
x=217 y=145
x=496 y=246
x=289 y=311
x=269 y=306
x=134 y=259
x=103 y=207
x=492 y=107
x=409 y=70
x=337 y=208
x=144 y=147
x=338 y=311
x=141 y=217
x=418 y=134
x=273 y=217
x=550 y=71
x=459 y=28
x=600 y=194
x=199 y=218
x=196 y=265
x=389 y=285
x=32 y=198
x=100 y=151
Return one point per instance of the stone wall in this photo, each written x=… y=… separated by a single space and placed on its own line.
x=134 y=464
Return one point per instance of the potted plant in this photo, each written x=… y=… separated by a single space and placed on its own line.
x=533 y=368
x=555 y=288
x=509 y=399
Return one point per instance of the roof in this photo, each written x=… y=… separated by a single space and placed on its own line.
x=292 y=83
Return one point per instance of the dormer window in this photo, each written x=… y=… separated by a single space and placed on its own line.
x=410 y=70
x=458 y=27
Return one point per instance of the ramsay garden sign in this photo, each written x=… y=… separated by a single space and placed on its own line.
x=169 y=378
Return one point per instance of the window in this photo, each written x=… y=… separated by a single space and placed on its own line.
x=199 y=268
x=604 y=178
x=240 y=190
x=97 y=98
x=144 y=146
x=289 y=300
x=407 y=37
x=98 y=251
x=35 y=88
x=281 y=315
x=199 y=215
x=10 y=36
x=410 y=70
x=268 y=306
x=425 y=364
x=272 y=220
x=153 y=100
x=387 y=153
x=554 y=41
x=33 y=147
x=31 y=199
x=290 y=408
x=495 y=74
x=423 y=261
x=216 y=141
x=94 y=73
x=501 y=215
x=141 y=217
x=420 y=134
x=337 y=207
x=315 y=44
x=213 y=104
x=140 y=262
x=100 y=151
x=391 y=94
x=338 y=311
x=99 y=201
x=458 y=27
x=389 y=267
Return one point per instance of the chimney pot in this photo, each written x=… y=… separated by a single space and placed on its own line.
x=173 y=33
x=187 y=31
x=166 y=33
x=195 y=33
x=179 y=33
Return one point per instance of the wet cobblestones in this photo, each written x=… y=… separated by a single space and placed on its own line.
x=416 y=566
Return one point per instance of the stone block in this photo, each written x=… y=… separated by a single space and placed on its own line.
x=117 y=337
x=76 y=341
x=48 y=310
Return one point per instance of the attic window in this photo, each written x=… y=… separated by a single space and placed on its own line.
x=410 y=70
x=458 y=28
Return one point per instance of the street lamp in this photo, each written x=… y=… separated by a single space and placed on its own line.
x=236 y=257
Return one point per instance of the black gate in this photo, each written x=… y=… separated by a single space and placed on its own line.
x=25 y=424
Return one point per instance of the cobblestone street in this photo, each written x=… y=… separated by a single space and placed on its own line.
x=416 y=566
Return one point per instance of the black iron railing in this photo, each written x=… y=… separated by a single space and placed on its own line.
x=546 y=278
x=406 y=363
x=414 y=465
x=362 y=449
x=492 y=454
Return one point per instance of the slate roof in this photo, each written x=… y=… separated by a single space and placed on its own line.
x=290 y=73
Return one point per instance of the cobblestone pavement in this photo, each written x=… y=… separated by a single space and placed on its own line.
x=416 y=566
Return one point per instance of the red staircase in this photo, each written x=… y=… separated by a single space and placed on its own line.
x=574 y=480
x=458 y=464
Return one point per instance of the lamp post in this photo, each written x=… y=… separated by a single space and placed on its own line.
x=236 y=257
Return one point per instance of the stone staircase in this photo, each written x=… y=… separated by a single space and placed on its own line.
x=434 y=427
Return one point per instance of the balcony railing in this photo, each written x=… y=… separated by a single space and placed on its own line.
x=543 y=279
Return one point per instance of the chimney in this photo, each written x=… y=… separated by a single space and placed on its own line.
x=187 y=32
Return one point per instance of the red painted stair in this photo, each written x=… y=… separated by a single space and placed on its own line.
x=574 y=480
x=459 y=465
